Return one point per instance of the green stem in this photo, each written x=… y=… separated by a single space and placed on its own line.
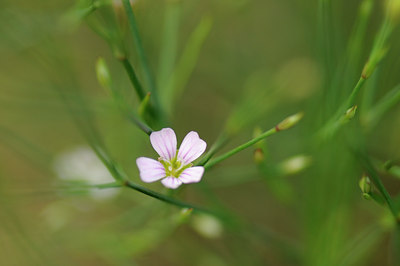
x=106 y=185
x=355 y=44
x=159 y=115
x=335 y=122
x=379 y=185
x=122 y=103
x=221 y=141
x=138 y=45
x=240 y=148
x=74 y=187
x=131 y=116
x=167 y=199
x=350 y=101
x=133 y=78
x=377 y=52
x=140 y=124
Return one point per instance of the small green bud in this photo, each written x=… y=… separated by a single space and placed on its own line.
x=289 y=121
x=103 y=75
x=366 y=196
x=184 y=215
x=351 y=112
x=365 y=186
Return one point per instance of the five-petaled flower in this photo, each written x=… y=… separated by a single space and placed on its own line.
x=174 y=166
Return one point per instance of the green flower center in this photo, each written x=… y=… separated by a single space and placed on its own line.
x=174 y=167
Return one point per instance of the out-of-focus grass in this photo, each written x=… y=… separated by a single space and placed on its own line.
x=219 y=66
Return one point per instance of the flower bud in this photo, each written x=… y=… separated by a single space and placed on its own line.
x=365 y=186
x=351 y=112
x=184 y=215
x=289 y=121
x=103 y=75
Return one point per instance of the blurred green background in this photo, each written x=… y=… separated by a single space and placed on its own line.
x=220 y=66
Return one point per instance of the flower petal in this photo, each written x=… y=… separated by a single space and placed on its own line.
x=164 y=142
x=192 y=174
x=150 y=170
x=171 y=182
x=191 y=148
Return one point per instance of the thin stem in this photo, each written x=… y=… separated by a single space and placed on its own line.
x=167 y=199
x=240 y=148
x=131 y=115
x=379 y=185
x=355 y=44
x=106 y=185
x=133 y=78
x=221 y=141
x=138 y=45
x=350 y=101
x=149 y=79
x=334 y=123
x=140 y=124
x=376 y=54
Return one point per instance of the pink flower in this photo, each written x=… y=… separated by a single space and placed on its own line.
x=174 y=166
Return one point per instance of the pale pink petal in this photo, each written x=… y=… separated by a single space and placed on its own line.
x=171 y=182
x=164 y=142
x=150 y=170
x=192 y=174
x=191 y=148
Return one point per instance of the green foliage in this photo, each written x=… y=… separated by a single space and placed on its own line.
x=104 y=75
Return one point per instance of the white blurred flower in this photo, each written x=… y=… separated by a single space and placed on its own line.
x=207 y=226
x=295 y=164
x=82 y=164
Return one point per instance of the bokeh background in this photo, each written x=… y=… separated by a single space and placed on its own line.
x=220 y=66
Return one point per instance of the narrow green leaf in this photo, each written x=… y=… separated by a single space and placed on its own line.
x=186 y=64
